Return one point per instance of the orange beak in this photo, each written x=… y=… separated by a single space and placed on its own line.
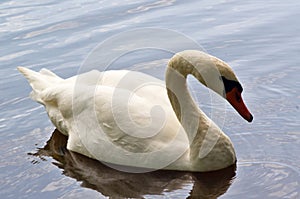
x=234 y=97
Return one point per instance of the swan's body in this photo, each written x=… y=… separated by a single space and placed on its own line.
x=107 y=115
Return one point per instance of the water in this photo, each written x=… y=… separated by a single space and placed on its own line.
x=260 y=40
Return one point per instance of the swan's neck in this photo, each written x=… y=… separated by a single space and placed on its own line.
x=193 y=120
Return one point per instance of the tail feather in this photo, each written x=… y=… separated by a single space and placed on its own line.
x=39 y=81
x=49 y=73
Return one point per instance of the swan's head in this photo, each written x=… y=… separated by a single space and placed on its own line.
x=213 y=73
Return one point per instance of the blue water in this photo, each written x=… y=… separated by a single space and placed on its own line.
x=259 y=39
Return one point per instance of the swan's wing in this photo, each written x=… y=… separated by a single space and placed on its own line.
x=111 y=128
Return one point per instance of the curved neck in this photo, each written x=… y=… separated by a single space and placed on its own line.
x=187 y=111
x=202 y=133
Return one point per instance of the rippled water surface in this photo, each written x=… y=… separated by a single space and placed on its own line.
x=259 y=39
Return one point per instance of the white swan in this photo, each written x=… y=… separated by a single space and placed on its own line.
x=129 y=118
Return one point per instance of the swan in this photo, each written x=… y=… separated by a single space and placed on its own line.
x=129 y=118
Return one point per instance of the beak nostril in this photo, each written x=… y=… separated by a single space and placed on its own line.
x=238 y=97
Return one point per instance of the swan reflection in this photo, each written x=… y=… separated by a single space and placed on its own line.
x=114 y=183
